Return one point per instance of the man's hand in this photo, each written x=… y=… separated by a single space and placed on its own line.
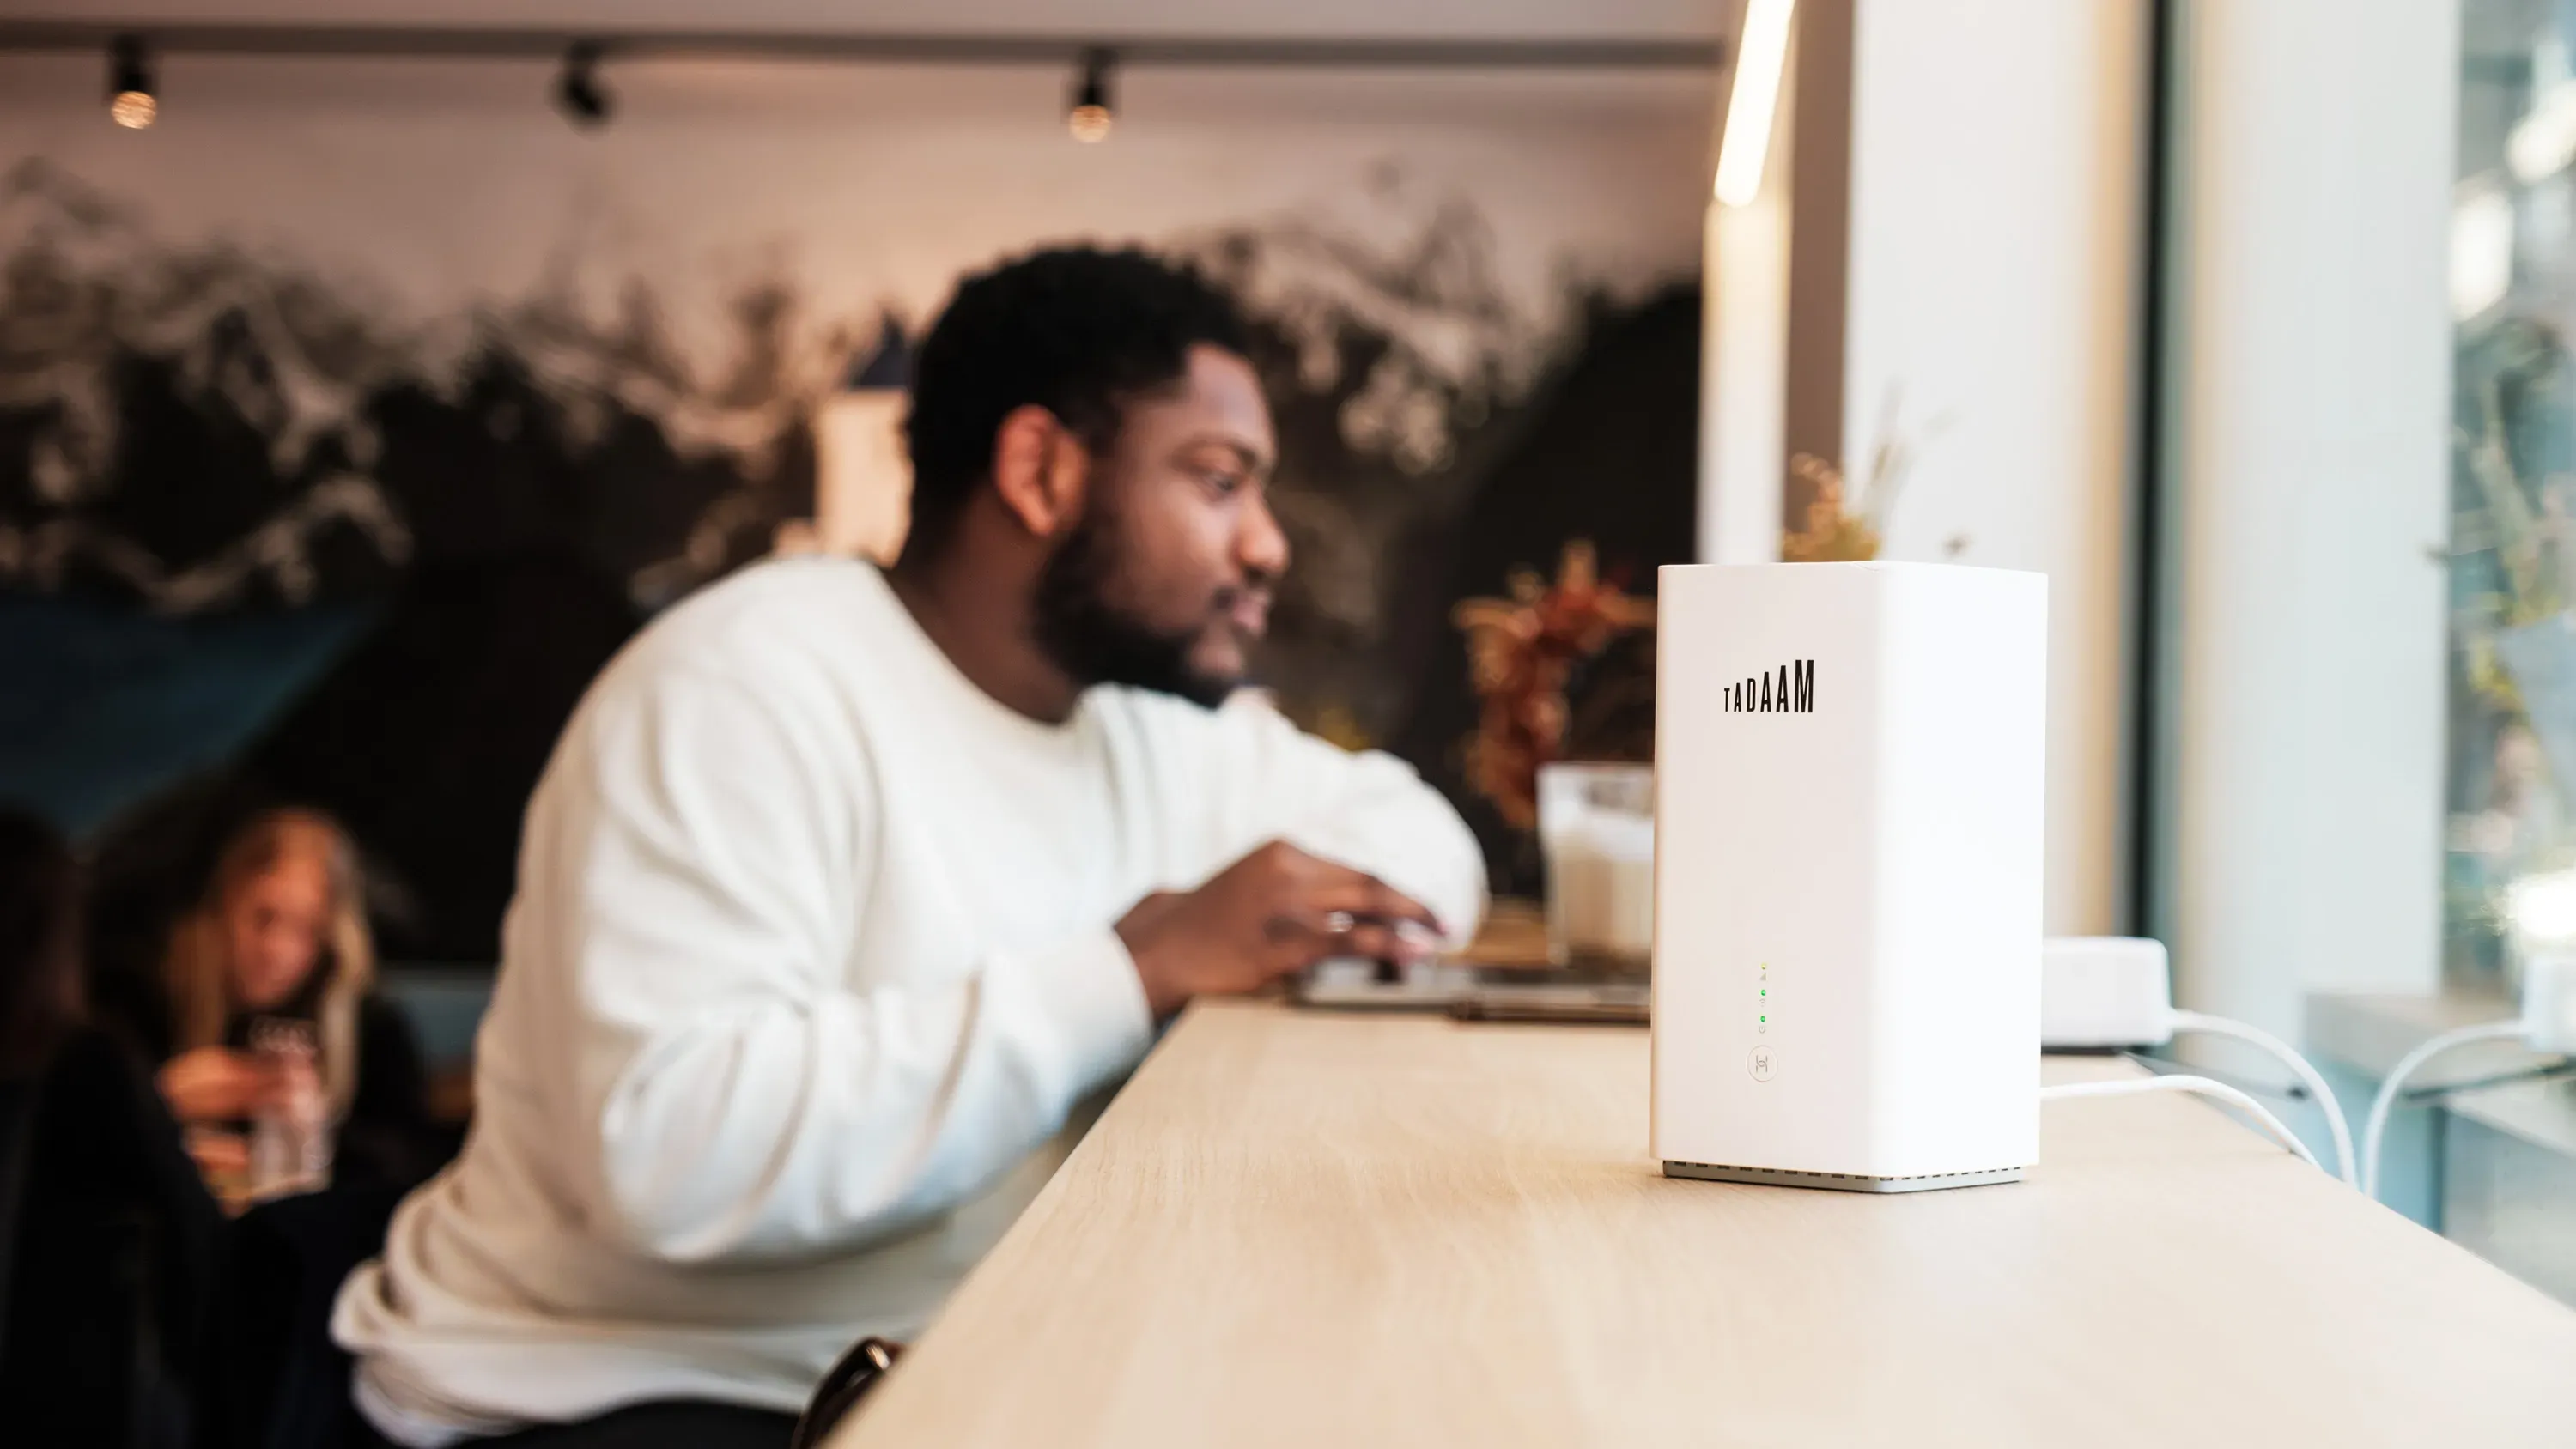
x=1276 y=911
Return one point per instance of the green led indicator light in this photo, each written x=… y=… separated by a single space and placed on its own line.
x=1766 y=1018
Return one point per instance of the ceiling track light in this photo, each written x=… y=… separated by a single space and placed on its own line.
x=1092 y=110
x=131 y=100
x=578 y=93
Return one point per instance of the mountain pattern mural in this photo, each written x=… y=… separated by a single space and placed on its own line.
x=258 y=543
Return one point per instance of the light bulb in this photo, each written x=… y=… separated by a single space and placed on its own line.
x=131 y=102
x=1091 y=113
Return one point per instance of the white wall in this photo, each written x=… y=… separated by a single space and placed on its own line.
x=2311 y=454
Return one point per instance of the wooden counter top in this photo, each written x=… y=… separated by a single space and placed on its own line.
x=1341 y=1231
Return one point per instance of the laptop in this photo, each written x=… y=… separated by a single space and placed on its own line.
x=1470 y=992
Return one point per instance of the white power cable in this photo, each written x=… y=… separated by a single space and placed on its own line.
x=2202 y=1085
x=2298 y=1065
x=2397 y=1075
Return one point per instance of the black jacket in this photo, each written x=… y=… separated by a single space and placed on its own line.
x=110 y=1248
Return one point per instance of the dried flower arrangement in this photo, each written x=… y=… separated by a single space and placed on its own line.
x=1842 y=529
x=1522 y=651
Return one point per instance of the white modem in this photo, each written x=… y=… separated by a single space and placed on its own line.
x=1848 y=800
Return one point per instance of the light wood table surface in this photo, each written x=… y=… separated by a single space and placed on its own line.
x=1344 y=1231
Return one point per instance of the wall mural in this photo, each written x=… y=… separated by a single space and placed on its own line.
x=197 y=430
x=257 y=541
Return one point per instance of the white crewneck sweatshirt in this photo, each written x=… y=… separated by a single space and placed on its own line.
x=812 y=949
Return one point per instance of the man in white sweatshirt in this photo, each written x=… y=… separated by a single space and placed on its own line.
x=843 y=888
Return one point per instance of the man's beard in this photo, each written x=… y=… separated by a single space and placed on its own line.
x=1096 y=642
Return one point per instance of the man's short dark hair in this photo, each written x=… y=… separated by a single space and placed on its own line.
x=1079 y=331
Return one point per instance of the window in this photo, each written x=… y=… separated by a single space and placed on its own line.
x=2512 y=754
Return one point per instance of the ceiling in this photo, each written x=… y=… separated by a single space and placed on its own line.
x=1341 y=19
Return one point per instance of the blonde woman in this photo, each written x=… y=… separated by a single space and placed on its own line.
x=265 y=1010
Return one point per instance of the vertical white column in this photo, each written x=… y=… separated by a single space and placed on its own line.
x=1992 y=304
x=2312 y=389
x=1977 y=257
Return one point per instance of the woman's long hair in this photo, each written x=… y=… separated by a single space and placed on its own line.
x=40 y=981
x=199 y=966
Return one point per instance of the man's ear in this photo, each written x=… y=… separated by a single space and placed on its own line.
x=1041 y=470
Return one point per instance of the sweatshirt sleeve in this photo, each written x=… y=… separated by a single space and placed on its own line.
x=1366 y=810
x=744 y=1100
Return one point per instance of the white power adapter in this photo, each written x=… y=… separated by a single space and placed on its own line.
x=2104 y=992
x=2116 y=993
x=2549 y=1001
